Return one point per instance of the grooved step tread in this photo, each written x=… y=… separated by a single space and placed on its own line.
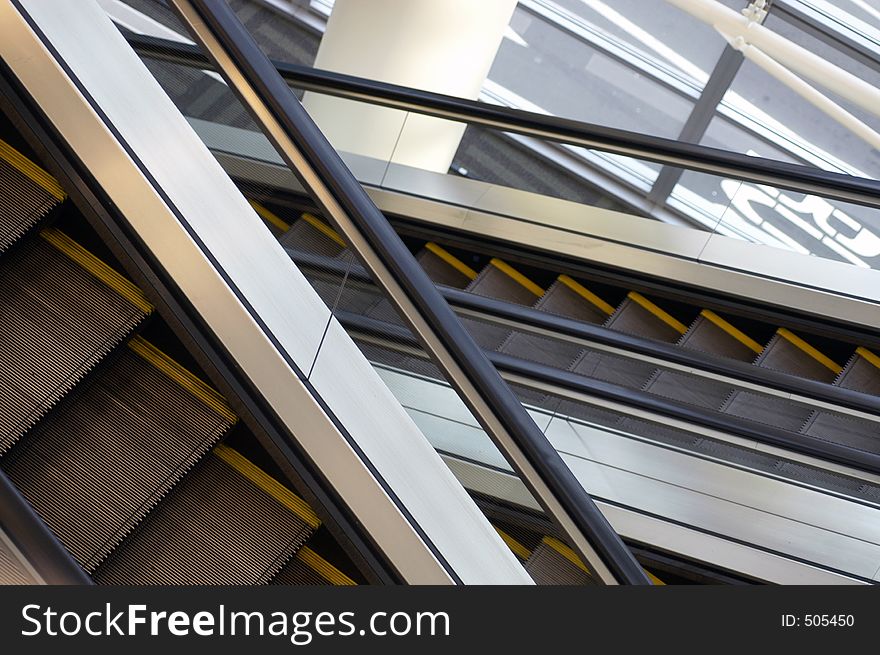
x=708 y=336
x=96 y=466
x=500 y=281
x=57 y=320
x=549 y=565
x=861 y=373
x=563 y=300
x=308 y=568
x=218 y=527
x=27 y=194
x=634 y=317
x=790 y=354
x=443 y=268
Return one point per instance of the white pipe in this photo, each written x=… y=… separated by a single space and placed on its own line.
x=802 y=88
x=790 y=55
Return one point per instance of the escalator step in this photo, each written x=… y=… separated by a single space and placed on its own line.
x=567 y=297
x=501 y=281
x=94 y=468
x=554 y=563
x=27 y=194
x=227 y=522
x=847 y=430
x=311 y=234
x=861 y=373
x=681 y=387
x=543 y=350
x=788 y=353
x=63 y=311
x=639 y=316
x=710 y=333
x=444 y=268
x=629 y=373
x=308 y=568
x=12 y=570
x=768 y=410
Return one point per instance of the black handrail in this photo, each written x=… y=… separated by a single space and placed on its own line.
x=555 y=378
x=52 y=562
x=696 y=157
x=346 y=192
x=529 y=317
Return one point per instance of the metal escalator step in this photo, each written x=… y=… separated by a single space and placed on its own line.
x=709 y=333
x=563 y=299
x=789 y=353
x=13 y=571
x=861 y=373
x=639 y=316
x=500 y=281
x=769 y=410
x=63 y=310
x=543 y=350
x=95 y=468
x=702 y=392
x=27 y=194
x=846 y=430
x=444 y=268
x=308 y=568
x=311 y=234
x=487 y=335
x=629 y=373
x=219 y=526
x=551 y=564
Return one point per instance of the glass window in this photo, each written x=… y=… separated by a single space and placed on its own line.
x=794 y=123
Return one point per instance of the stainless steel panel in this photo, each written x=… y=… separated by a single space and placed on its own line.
x=392 y=442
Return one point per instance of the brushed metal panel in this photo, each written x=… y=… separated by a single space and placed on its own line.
x=393 y=443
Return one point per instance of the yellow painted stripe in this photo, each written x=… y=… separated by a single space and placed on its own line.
x=795 y=340
x=518 y=277
x=867 y=354
x=518 y=549
x=654 y=579
x=269 y=216
x=324 y=568
x=671 y=321
x=208 y=395
x=28 y=168
x=572 y=557
x=99 y=269
x=452 y=260
x=586 y=294
x=268 y=484
x=566 y=552
x=739 y=335
x=324 y=229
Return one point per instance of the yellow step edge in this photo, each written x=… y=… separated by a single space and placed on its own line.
x=664 y=316
x=323 y=228
x=586 y=294
x=518 y=277
x=268 y=484
x=269 y=216
x=518 y=549
x=29 y=169
x=795 y=340
x=572 y=557
x=324 y=568
x=208 y=395
x=452 y=260
x=566 y=552
x=99 y=269
x=737 y=334
x=867 y=354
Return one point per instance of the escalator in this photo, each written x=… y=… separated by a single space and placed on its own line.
x=719 y=335
x=139 y=467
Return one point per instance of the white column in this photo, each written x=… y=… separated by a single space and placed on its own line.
x=446 y=46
